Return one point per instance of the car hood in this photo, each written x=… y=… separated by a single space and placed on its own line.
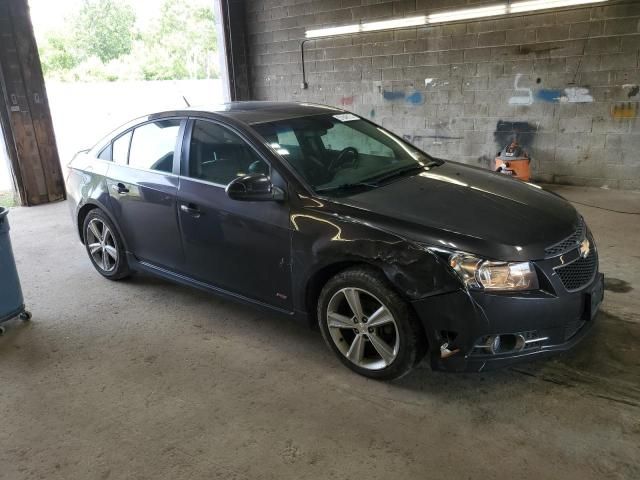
x=459 y=207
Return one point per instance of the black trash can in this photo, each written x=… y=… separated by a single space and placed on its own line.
x=11 y=300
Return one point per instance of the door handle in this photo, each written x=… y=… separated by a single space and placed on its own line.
x=191 y=209
x=120 y=188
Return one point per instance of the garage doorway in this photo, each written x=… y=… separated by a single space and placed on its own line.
x=108 y=61
x=8 y=197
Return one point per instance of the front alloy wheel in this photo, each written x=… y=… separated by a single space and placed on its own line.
x=371 y=329
x=363 y=328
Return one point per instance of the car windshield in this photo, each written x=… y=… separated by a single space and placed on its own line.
x=341 y=152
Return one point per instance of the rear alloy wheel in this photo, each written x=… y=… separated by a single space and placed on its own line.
x=104 y=246
x=368 y=325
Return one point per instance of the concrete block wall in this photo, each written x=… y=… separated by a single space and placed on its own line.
x=565 y=83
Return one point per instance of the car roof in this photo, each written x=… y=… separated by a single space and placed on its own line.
x=255 y=112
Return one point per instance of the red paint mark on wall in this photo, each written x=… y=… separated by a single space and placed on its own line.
x=347 y=101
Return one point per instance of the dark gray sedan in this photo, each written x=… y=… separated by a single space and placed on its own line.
x=317 y=213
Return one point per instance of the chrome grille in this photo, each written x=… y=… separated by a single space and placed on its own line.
x=569 y=243
x=579 y=273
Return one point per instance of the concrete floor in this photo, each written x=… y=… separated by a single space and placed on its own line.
x=145 y=379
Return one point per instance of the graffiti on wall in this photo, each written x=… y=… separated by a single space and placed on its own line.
x=522 y=132
x=548 y=95
x=347 y=101
x=576 y=95
x=441 y=131
x=393 y=95
x=414 y=98
x=526 y=96
x=634 y=91
x=625 y=110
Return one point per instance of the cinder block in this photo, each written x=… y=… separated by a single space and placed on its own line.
x=630 y=43
x=619 y=61
x=586 y=29
x=520 y=36
x=427 y=58
x=552 y=33
x=603 y=45
x=477 y=55
x=576 y=124
x=489 y=39
x=459 y=42
x=451 y=56
x=382 y=61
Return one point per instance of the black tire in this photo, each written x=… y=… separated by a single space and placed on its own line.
x=121 y=268
x=412 y=342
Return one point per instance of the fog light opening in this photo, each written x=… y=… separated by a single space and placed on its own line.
x=507 y=343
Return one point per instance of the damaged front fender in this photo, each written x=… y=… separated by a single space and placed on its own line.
x=322 y=239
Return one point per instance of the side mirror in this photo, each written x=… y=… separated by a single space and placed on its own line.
x=256 y=187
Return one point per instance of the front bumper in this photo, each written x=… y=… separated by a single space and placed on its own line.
x=552 y=322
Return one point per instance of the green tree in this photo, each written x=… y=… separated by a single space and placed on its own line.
x=58 y=53
x=105 y=29
x=102 y=43
x=182 y=43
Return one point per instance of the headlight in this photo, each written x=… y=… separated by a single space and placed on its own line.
x=478 y=273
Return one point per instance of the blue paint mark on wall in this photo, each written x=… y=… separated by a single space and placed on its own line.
x=416 y=98
x=392 y=95
x=550 y=96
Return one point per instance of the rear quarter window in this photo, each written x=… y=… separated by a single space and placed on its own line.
x=120 y=149
x=105 y=154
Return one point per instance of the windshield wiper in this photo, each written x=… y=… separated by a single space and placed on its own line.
x=375 y=182
x=346 y=186
x=396 y=173
x=404 y=170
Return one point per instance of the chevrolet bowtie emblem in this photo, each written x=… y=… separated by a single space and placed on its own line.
x=585 y=246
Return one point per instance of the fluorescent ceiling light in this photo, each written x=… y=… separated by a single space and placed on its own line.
x=396 y=23
x=333 y=31
x=449 y=16
x=368 y=27
x=453 y=15
x=531 y=5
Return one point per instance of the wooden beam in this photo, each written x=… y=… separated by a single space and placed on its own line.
x=26 y=119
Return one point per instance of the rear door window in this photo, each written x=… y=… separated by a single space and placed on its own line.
x=153 y=145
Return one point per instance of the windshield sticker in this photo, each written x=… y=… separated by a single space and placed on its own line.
x=345 y=117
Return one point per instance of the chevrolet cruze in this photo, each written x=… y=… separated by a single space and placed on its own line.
x=319 y=214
